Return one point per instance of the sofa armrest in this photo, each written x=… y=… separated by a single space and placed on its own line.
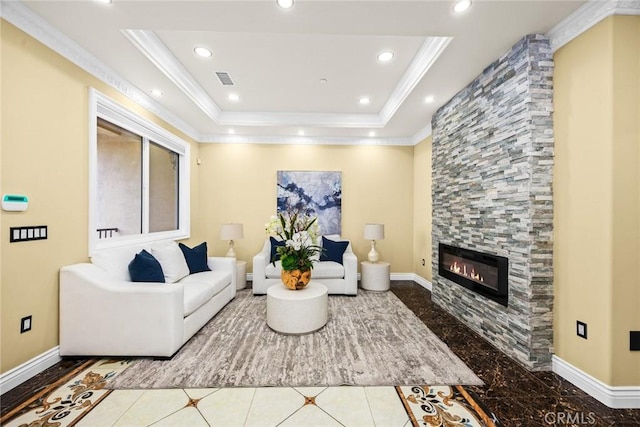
x=259 y=270
x=100 y=315
x=224 y=264
x=350 y=262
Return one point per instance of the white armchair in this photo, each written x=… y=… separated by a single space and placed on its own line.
x=338 y=278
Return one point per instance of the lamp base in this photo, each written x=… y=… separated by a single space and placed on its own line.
x=373 y=254
x=231 y=253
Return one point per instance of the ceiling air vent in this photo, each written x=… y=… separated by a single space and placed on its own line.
x=224 y=78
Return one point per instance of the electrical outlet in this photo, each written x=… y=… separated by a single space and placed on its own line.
x=25 y=324
x=581 y=329
x=423 y=262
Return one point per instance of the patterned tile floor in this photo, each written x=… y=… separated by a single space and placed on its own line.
x=79 y=399
x=517 y=397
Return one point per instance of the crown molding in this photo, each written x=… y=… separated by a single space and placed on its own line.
x=302 y=140
x=586 y=17
x=19 y=15
x=423 y=133
x=159 y=55
x=301 y=119
x=421 y=63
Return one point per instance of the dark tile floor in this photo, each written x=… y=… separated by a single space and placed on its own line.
x=516 y=396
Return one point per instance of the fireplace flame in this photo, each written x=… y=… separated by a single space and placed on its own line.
x=462 y=271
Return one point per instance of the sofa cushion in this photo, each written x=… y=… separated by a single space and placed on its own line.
x=327 y=270
x=196 y=257
x=201 y=287
x=172 y=261
x=273 y=271
x=321 y=270
x=275 y=243
x=115 y=261
x=332 y=250
x=145 y=268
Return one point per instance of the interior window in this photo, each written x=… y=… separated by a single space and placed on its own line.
x=119 y=181
x=139 y=175
x=163 y=188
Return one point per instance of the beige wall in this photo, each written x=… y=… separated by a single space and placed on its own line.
x=45 y=156
x=422 y=209
x=626 y=202
x=238 y=184
x=596 y=186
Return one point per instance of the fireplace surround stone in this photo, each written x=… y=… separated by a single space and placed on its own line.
x=492 y=167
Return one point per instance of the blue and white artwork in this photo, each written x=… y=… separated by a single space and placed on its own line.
x=315 y=193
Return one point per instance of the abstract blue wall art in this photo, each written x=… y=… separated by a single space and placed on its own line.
x=315 y=193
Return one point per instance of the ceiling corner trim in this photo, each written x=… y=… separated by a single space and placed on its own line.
x=423 y=133
x=19 y=15
x=159 y=55
x=337 y=120
x=421 y=63
x=586 y=17
x=302 y=140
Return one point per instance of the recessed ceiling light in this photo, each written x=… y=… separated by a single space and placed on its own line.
x=385 y=56
x=461 y=6
x=372 y=134
x=156 y=92
x=365 y=100
x=202 y=52
x=285 y=4
x=233 y=97
x=429 y=99
x=231 y=131
x=104 y=1
x=323 y=81
x=301 y=132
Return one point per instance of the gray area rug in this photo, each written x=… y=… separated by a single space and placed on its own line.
x=371 y=339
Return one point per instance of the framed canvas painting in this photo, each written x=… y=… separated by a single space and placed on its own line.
x=314 y=192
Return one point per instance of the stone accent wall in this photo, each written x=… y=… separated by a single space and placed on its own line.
x=492 y=173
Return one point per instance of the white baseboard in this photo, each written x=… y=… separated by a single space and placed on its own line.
x=613 y=397
x=422 y=282
x=31 y=368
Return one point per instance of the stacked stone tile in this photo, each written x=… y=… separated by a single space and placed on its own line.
x=492 y=172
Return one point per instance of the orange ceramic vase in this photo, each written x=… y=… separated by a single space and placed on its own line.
x=295 y=279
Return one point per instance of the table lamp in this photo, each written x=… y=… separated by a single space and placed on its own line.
x=231 y=232
x=373 y=232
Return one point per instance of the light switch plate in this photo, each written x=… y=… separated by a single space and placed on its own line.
x=581 y=329
x=25 y=324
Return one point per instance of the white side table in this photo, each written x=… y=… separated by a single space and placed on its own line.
x=375 y=276
x=241 y=275
x=297 y=312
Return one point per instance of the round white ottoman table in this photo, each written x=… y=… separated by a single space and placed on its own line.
x=297 y=312
x=375 y=276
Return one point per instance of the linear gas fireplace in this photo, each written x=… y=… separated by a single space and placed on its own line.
x=483 y=273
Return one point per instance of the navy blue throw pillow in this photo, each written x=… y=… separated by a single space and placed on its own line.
x=196 y=257
x=275 y=256
x=332 y=250
x=145 y=268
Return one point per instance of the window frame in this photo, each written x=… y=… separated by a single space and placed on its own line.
x=101 y=106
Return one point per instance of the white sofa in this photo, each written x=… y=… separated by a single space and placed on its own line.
x=338 y=278
x=103 y=313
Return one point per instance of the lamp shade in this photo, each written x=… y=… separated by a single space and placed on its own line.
x=231 y=232
x=374 y=231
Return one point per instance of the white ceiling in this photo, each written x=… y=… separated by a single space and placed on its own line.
x=277 y=58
